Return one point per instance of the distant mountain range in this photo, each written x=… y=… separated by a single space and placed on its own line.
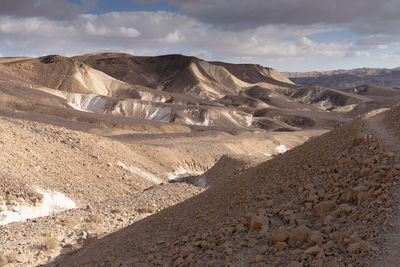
x=345 y=79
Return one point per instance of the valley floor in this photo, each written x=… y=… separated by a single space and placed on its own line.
x=108 y=178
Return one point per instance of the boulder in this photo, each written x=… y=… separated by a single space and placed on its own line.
x=324 y=207
x=313 y=250
x=257 y=222
x=298 y=235
x=279 y=235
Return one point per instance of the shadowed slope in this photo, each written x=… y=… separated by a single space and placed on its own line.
x=316 y=204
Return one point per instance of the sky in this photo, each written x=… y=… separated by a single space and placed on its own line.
x=288 y=35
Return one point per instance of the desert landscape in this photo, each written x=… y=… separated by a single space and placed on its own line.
x=253 y=133
x=110 y=159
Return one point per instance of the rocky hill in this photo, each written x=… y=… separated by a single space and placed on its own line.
x=344 y=79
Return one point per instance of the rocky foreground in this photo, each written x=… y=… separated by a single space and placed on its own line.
x=328 y=202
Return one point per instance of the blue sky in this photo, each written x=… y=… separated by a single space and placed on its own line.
x=291 y=35
x=104 y=6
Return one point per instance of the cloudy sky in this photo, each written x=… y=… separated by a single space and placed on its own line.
x=289 y=35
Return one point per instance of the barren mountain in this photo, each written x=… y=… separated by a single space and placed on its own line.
x=182 y=90
x=92 y=145
x=344 y=79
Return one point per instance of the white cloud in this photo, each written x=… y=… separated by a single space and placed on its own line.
x=173 y=37
x=362 y=16
x=304 y=42
x=383 y=56
x=54 y=9
x=34 y=26
x=359 y=53
x=129 y=32
x=93 y=30
x=152 y=33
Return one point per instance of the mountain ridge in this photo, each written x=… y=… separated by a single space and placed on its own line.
x=345 y=79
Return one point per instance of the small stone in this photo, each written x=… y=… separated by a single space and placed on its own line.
x=362 y=196
x=298 y=235
x=308 y=206
x=313 y=250
x=354 y=248
x=3 y=260
x=312 y=198
x=228 y=251
x=252 y=243
x=257 y=222
x=321 y=254
x=294 y=264
x=360 y=188
x=279 y=235
x=285 y=187
x=269 y=203
x=309 y=186
x=280 y=246
x=348 y=196
x=343 y=209
x=315 y=237
x=278 y=262
x=12 y=257
x=258 y=258
x=318 y=263
x=263 y=250
x=364 y=246
x=240 y=227
x=186 y=251
x=296 y=254
x=179 y=261
x=377 y=193
x=329 y=245
x=326 y=230
x=332 y=264
x=324 y=207
x=188 y=260
x=263 y=232
x=328 y=220
x=337 y=236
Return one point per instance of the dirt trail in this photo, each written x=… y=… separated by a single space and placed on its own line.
x=383 y=133
x=390 y=141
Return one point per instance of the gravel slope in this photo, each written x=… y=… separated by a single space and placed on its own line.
x=327 y=202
